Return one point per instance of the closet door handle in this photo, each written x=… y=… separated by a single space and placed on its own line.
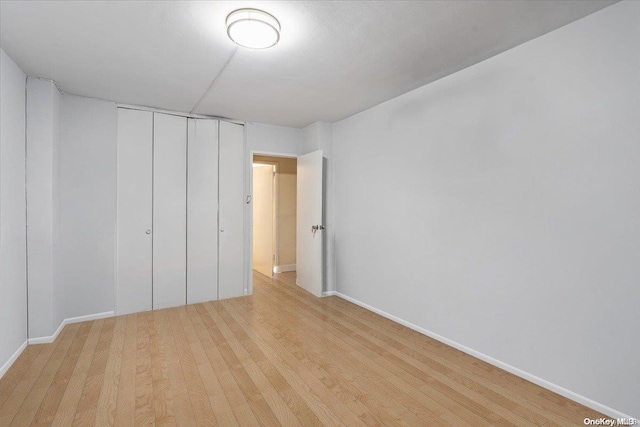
x=148 y=232
x=222 y=230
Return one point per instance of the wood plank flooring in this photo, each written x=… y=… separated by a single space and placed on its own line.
x=279 y=357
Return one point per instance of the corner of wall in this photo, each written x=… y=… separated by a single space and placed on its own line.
x=13 y=242
x=42 y=141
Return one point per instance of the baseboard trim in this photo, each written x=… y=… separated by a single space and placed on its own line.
x=329 y=294
x=284 y=268
x=495 y=362
x=88 y=317
x=13 y=358
x=50 y=339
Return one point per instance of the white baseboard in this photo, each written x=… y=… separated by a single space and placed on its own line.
x=13 y=358
x=515 y=371
x=329 y=293
x=284 y=268
x=52 y=338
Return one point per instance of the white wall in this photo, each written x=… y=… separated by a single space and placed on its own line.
x=319 y=136
x=71 y=170
x=499 y=207
x=13 y=268
x=87 y=205
x=46 y=310
x=268 y=139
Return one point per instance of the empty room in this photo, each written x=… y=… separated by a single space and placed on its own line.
x=307 y=213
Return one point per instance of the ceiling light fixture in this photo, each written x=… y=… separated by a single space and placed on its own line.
x=253 y=28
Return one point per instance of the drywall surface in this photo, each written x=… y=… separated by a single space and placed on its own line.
x=87 y=205
x=319 y=136
x=268 y=139
x=43 y=108
x=13 y=239
x=499 y=207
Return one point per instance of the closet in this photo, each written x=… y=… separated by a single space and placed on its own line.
x=180 y=210
x=169 y=226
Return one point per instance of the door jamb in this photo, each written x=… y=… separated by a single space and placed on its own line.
x=274 y=213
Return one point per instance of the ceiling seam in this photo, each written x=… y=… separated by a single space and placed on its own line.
x=213 y=82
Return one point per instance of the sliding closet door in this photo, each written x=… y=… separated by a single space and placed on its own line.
x=134 y=239
x=231 y=198
x=202 y=211
x=169 y=210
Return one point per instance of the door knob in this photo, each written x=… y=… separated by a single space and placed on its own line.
x=222 y=230
x=148 y=232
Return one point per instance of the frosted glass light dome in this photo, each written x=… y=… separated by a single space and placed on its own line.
x=253 y=28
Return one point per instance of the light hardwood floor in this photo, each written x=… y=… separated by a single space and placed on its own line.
x=279 y=357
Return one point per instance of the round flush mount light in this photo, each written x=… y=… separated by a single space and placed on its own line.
x=253 y=28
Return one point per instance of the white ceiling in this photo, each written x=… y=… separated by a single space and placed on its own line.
x=334 y=58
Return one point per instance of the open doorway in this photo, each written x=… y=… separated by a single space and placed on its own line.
x=274 y=215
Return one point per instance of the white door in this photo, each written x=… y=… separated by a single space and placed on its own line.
x=169 y=211
x=202 y=211
x=309 y=234
x=232 y=201
x=134 y=211
x=263 y=225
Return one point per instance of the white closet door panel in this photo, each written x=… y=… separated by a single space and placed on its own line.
x=202 y=211
x=134 y=240
x=231 y=199
x=169 y=210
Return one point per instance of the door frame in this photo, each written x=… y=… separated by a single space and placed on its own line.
x=274 y=204
x=249 y=211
